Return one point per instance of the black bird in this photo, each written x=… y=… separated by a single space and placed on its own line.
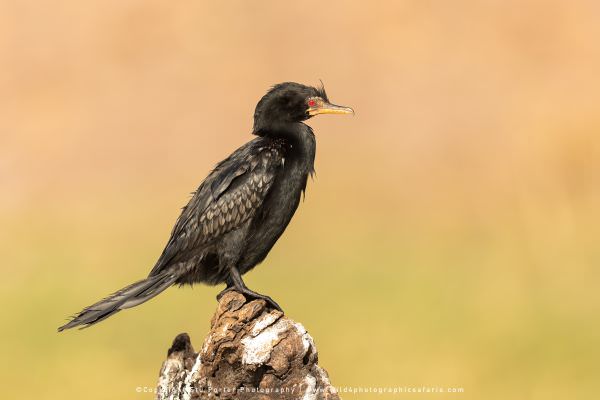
x=241 y=208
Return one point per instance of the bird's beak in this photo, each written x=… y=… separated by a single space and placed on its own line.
x=328 y=108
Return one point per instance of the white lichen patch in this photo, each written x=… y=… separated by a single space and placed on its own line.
x=307 y=340
x=310 y=393
x=224 y=329
x=191 y=377
x=206 y=343
x=171 y=368
x=164 y=379
x=262 y=323
x=257 y=349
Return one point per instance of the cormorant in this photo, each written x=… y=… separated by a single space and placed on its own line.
x=241 y=208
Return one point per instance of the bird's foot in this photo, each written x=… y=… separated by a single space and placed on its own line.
x=226 y=290
x=250 y=294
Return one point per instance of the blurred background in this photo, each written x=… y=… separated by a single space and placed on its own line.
x=451 y=237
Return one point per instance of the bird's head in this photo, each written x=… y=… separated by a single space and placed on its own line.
x=289 y=103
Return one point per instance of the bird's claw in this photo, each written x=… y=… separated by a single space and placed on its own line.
x=268 y=299
x=251 y=294
x=226 y=290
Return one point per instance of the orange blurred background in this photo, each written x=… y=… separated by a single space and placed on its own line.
x=451 y=237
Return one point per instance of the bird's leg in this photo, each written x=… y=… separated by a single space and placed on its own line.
x=241 y=287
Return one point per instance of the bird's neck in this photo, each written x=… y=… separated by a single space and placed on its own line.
x=298 y=140
x=302 y=146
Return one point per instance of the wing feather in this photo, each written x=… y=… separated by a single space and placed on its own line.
x=227 y=198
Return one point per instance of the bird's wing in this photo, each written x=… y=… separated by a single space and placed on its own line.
x=226 y=199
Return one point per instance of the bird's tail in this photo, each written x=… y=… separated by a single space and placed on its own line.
x=130 y=296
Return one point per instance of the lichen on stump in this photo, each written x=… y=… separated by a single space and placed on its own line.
x=251 y=352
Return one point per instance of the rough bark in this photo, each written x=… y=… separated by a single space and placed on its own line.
x=251 y=352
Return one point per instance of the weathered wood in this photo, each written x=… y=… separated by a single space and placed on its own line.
x=251 y=352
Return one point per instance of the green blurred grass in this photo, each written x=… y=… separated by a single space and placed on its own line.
x=461 y=305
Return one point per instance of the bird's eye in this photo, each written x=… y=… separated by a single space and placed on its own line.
x=312 y=103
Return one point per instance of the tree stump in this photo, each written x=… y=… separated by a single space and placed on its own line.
x=251 y=352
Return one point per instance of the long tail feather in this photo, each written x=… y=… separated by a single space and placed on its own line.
x=130 y=296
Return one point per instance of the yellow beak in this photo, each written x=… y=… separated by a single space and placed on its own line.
x=327 y=108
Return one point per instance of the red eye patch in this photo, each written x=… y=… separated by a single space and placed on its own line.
x=311 y=103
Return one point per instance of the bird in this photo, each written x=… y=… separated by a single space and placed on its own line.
x=240 y=209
